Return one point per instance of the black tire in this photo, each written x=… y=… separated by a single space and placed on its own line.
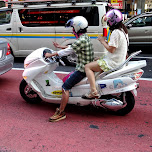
x=130 y=105
x=28 y=94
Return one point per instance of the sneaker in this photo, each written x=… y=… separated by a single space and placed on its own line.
x=56 y=112
x=91 y=95
x=57 y=116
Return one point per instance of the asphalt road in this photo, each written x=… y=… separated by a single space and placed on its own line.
x=25 y=128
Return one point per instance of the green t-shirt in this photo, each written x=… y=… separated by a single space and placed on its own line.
x=84 y=50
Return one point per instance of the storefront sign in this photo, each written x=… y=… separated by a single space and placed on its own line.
x=116 y=1
x=113 y=1
x=117 y=4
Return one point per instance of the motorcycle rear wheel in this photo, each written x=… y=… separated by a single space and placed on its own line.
x=28 y=94
x=130 y=104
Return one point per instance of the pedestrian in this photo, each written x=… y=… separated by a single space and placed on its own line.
x=84 y=50
x=116 y=50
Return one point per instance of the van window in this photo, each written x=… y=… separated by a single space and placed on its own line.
x=5 y=16
x=57 y=16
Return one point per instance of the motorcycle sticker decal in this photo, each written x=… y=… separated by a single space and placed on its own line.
x=118 y=84
x=57 y=92
x=47 y=83
x=102 y=86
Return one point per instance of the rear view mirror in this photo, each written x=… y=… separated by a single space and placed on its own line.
x=129 y=26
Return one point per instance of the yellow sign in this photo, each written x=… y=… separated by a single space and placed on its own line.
x=113 y=1
x=57 y=92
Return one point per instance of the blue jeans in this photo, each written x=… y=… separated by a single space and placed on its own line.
x=74 y=78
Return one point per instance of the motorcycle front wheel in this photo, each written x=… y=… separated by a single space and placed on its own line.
x=28 y=94
x=129 y=98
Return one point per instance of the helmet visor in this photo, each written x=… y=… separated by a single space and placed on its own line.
x=69 y=23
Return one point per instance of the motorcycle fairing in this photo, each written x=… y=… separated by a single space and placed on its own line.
x=112 y=86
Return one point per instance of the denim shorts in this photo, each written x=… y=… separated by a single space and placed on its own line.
x=74 y=78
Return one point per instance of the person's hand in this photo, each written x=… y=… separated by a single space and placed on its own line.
x=101 y=38
x=56 y=44
x=48 y=55
x=96 y=58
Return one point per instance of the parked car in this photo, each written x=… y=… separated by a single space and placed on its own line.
x=27 y=27
x=140 y=29
x=6 y=58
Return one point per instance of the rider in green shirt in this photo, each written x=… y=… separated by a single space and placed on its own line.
x=84 y=50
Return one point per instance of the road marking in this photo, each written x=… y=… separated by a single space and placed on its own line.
x=17 y=68
x=142 y=57
x=54 y=71
x=147 y=79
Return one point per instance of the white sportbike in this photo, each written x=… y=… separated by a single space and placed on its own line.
x=116 y=87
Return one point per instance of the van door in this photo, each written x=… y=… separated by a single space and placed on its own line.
x=35 y=30
x=6 y=24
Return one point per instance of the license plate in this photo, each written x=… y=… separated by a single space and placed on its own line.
x=0 y=53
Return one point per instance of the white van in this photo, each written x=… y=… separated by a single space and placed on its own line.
x=28 y=27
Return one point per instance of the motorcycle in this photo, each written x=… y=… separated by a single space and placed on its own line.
x=117 y=87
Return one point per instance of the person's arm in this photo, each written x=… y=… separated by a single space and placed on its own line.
x=64 y=52
x=111 y=49
x=48 y=55
x=59 y=46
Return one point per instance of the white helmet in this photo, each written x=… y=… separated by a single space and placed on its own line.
x=78 y=23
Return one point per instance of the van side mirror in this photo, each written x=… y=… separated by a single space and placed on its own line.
x=129 y=26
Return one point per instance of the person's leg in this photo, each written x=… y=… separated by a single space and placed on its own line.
x=60 y=114
x=64 y=100
x=90 y=68
x=74 y=78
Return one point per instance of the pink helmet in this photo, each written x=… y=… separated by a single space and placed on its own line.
x=113 y=17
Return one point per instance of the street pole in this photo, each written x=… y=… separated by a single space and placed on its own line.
x=125 y=6
x=132 y=8
x=140 y=6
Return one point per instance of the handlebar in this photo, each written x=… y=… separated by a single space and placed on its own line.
x=54 y=59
